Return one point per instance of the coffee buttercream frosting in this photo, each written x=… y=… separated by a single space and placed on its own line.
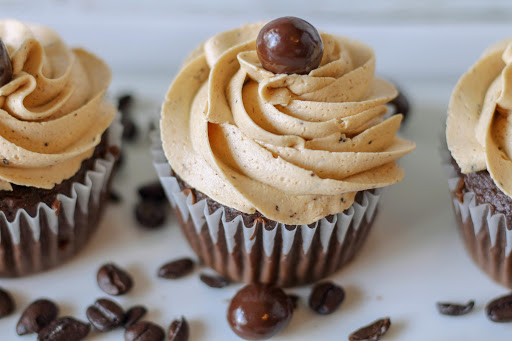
x=479 y=128
x=52 y=112
x=296 y=148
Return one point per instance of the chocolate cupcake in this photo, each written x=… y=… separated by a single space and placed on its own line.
x=274 y=155
x=478 y=133
x=59 y=144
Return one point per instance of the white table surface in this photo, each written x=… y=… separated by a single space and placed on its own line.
x=412 y=259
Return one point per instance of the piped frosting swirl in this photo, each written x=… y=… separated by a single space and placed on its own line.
x=479 y=127
x=52 y=112
x=294 y=147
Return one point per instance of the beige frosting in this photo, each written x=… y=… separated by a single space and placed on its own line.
x=52 y=112
x=479 y=128
x=294 y=147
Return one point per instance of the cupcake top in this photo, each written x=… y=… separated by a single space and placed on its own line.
x=52 y=111
x=294 y=147
x=478 y=130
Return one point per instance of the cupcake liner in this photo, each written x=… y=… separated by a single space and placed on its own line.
x=30 y=244
x=487 y=236
x=281 y=255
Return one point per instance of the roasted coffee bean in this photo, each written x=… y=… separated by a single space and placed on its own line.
x=113 y=280
x=178 y=330
x=125 y=103
x=150 y=214
x=453 y=309
x=152 y=191
x=115 y=197
x=144 y=331
x=134 y=314
x=36 y=316
x=500 y=309
x=64 y=329
x=401 y=105
x=326 y=297
x=130 y=130
x=371 y=332
x=5 y=65
x=6 y=303
x=289 y=45
x=105 y=315
x=215 y=281
x=259 y=311
x=176 y=269
x=294 y=301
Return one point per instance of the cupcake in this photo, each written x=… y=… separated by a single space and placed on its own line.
x=273 y=151
x=58 y=144
x=478 y=134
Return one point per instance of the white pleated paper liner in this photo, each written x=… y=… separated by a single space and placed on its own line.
x=487 y=236
x=280 y=255
x=32 y=244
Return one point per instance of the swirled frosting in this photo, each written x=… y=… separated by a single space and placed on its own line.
x=479 y=127
x=52 y=112
x=294 y=147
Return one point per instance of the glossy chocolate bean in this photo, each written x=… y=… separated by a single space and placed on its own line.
x=144 y=331
x=289 y=45
x=326 y=297
x=371 y=332
x=134 y=314
x=214 y=281
x=5 y=65
x=179 y=330
x=64 y=329
x=453 y=309
x=500 y=309
x=113 y=280
x=105 y=315
x=6 y=303
x=36 y=316
x=176 y=269
x=259 y=311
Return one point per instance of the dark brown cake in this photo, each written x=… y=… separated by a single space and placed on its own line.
x=295 y=268
x=51 y=249
x=491 y=258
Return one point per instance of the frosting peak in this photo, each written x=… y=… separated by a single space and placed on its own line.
x=52 y=113
x=294 y=147
x=479 y=129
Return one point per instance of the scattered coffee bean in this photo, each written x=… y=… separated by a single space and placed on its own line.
x=113 y=280
x=371 y=332
x=294 y=301
x=144 y=331
x=36 y=316
x=130 y=130
x=259 y=311
x=125 y=103
x=5 y=65
x=176 y=269
x=326 y=297
x=64 y=329
x=215 y=281
x=6 y=303
x=105 y=315
x=500 y=309
x=134 y=314
x=152 y=191
x=150 y=214
x=289 y=45
x=115 y=197
x=401 y=105
x=178 y=330
x=453 y=309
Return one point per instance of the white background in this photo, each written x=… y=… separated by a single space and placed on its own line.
x=413 y=257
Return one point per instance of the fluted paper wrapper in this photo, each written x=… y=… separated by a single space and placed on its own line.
x=32 y=244
x=487 y=236
x=283 y=255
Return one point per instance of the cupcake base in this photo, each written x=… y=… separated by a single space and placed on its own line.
x=40 y=229
x=483 y=222
x=296 y=267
